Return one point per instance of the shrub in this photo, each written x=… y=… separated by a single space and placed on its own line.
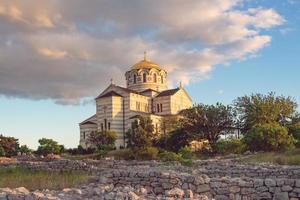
x=103 y=150
x=169 y=156
x=10 y=145
x=174 y=140
x=48 y=146
x=206 y=150
x=140 y=135
x=24 y=149
x=2 y=152
x=102 y=139
x=229 y=146
x=268 y=137
x=186 y=152
x=187 y=162
x=148 y=153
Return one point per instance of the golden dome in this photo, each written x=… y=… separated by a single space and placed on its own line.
x=145 y=64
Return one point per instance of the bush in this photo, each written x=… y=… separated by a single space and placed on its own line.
x=229 y=146
x=24 y=149
x=186 y=152
x=206 y=150
x=268 y=137
x=187 y=162
x=102 y=152
x=101 y=139
x=10 y=145
x=48 y=146
x=2 y=152
x=148 y=153
x=169 y=156
x=174 y=140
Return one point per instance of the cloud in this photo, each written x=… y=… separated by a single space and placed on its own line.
x=67 y=52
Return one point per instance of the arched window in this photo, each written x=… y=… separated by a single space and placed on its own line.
x=144 y=77
x=134 y=78
x=154 y=78
x=162 y=79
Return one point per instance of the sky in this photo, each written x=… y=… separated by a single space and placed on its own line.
x=56 y=56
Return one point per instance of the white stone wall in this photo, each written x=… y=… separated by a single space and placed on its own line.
x=85 y=131
x=180 y=101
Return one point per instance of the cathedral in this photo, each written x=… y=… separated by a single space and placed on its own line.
x=146 y=94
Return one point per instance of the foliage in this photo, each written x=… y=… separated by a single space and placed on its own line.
x=48 y=146
x=148 y=153
x=186 y=152
x=141 y=133
x=294 y=128
x=2 y=152
x=102 y=139
x=24 y=149
x=229 y=146
x=40 y=179
x=268 y=137
x=10 y=145
x=80 y=151
x=170 y=123
x=264 y=109
x=174 y=140
x=103 y=150
x=169 y=156
x=187 y=162
x=206 y=150
x=208 y=121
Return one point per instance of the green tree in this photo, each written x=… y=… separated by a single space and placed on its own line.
x=48 y=146
x=24 y=149
x=170 y=123
x=268 y=137
x=2 y=152
x=264 y=109
x=102 y=139
x=175 y=140
x=10 y=145
x=208 y=121
x=141 y=133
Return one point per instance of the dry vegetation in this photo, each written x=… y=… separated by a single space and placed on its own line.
x=39 y=179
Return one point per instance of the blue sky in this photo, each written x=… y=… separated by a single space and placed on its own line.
x=40 y=97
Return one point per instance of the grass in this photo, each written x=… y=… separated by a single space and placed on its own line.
x=78 y=157
x=40 y=179
x=291 y=157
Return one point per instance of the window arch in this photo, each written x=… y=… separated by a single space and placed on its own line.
x=154 y=78
x=144 y=77
x=134 y=78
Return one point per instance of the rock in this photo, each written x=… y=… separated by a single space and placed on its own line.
x=176 y=192
x=270 y=182
x=234 y=189
x=281 y=196
x=188 y=194
x=198 y=180
x=286 y=188
x=202 y=188
x=133 y=196
x=297 y=183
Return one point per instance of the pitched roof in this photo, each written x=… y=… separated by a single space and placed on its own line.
x=116 y=86
x=148 y=90
x=90 y=120
x=168 y=92
x=109 y=94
